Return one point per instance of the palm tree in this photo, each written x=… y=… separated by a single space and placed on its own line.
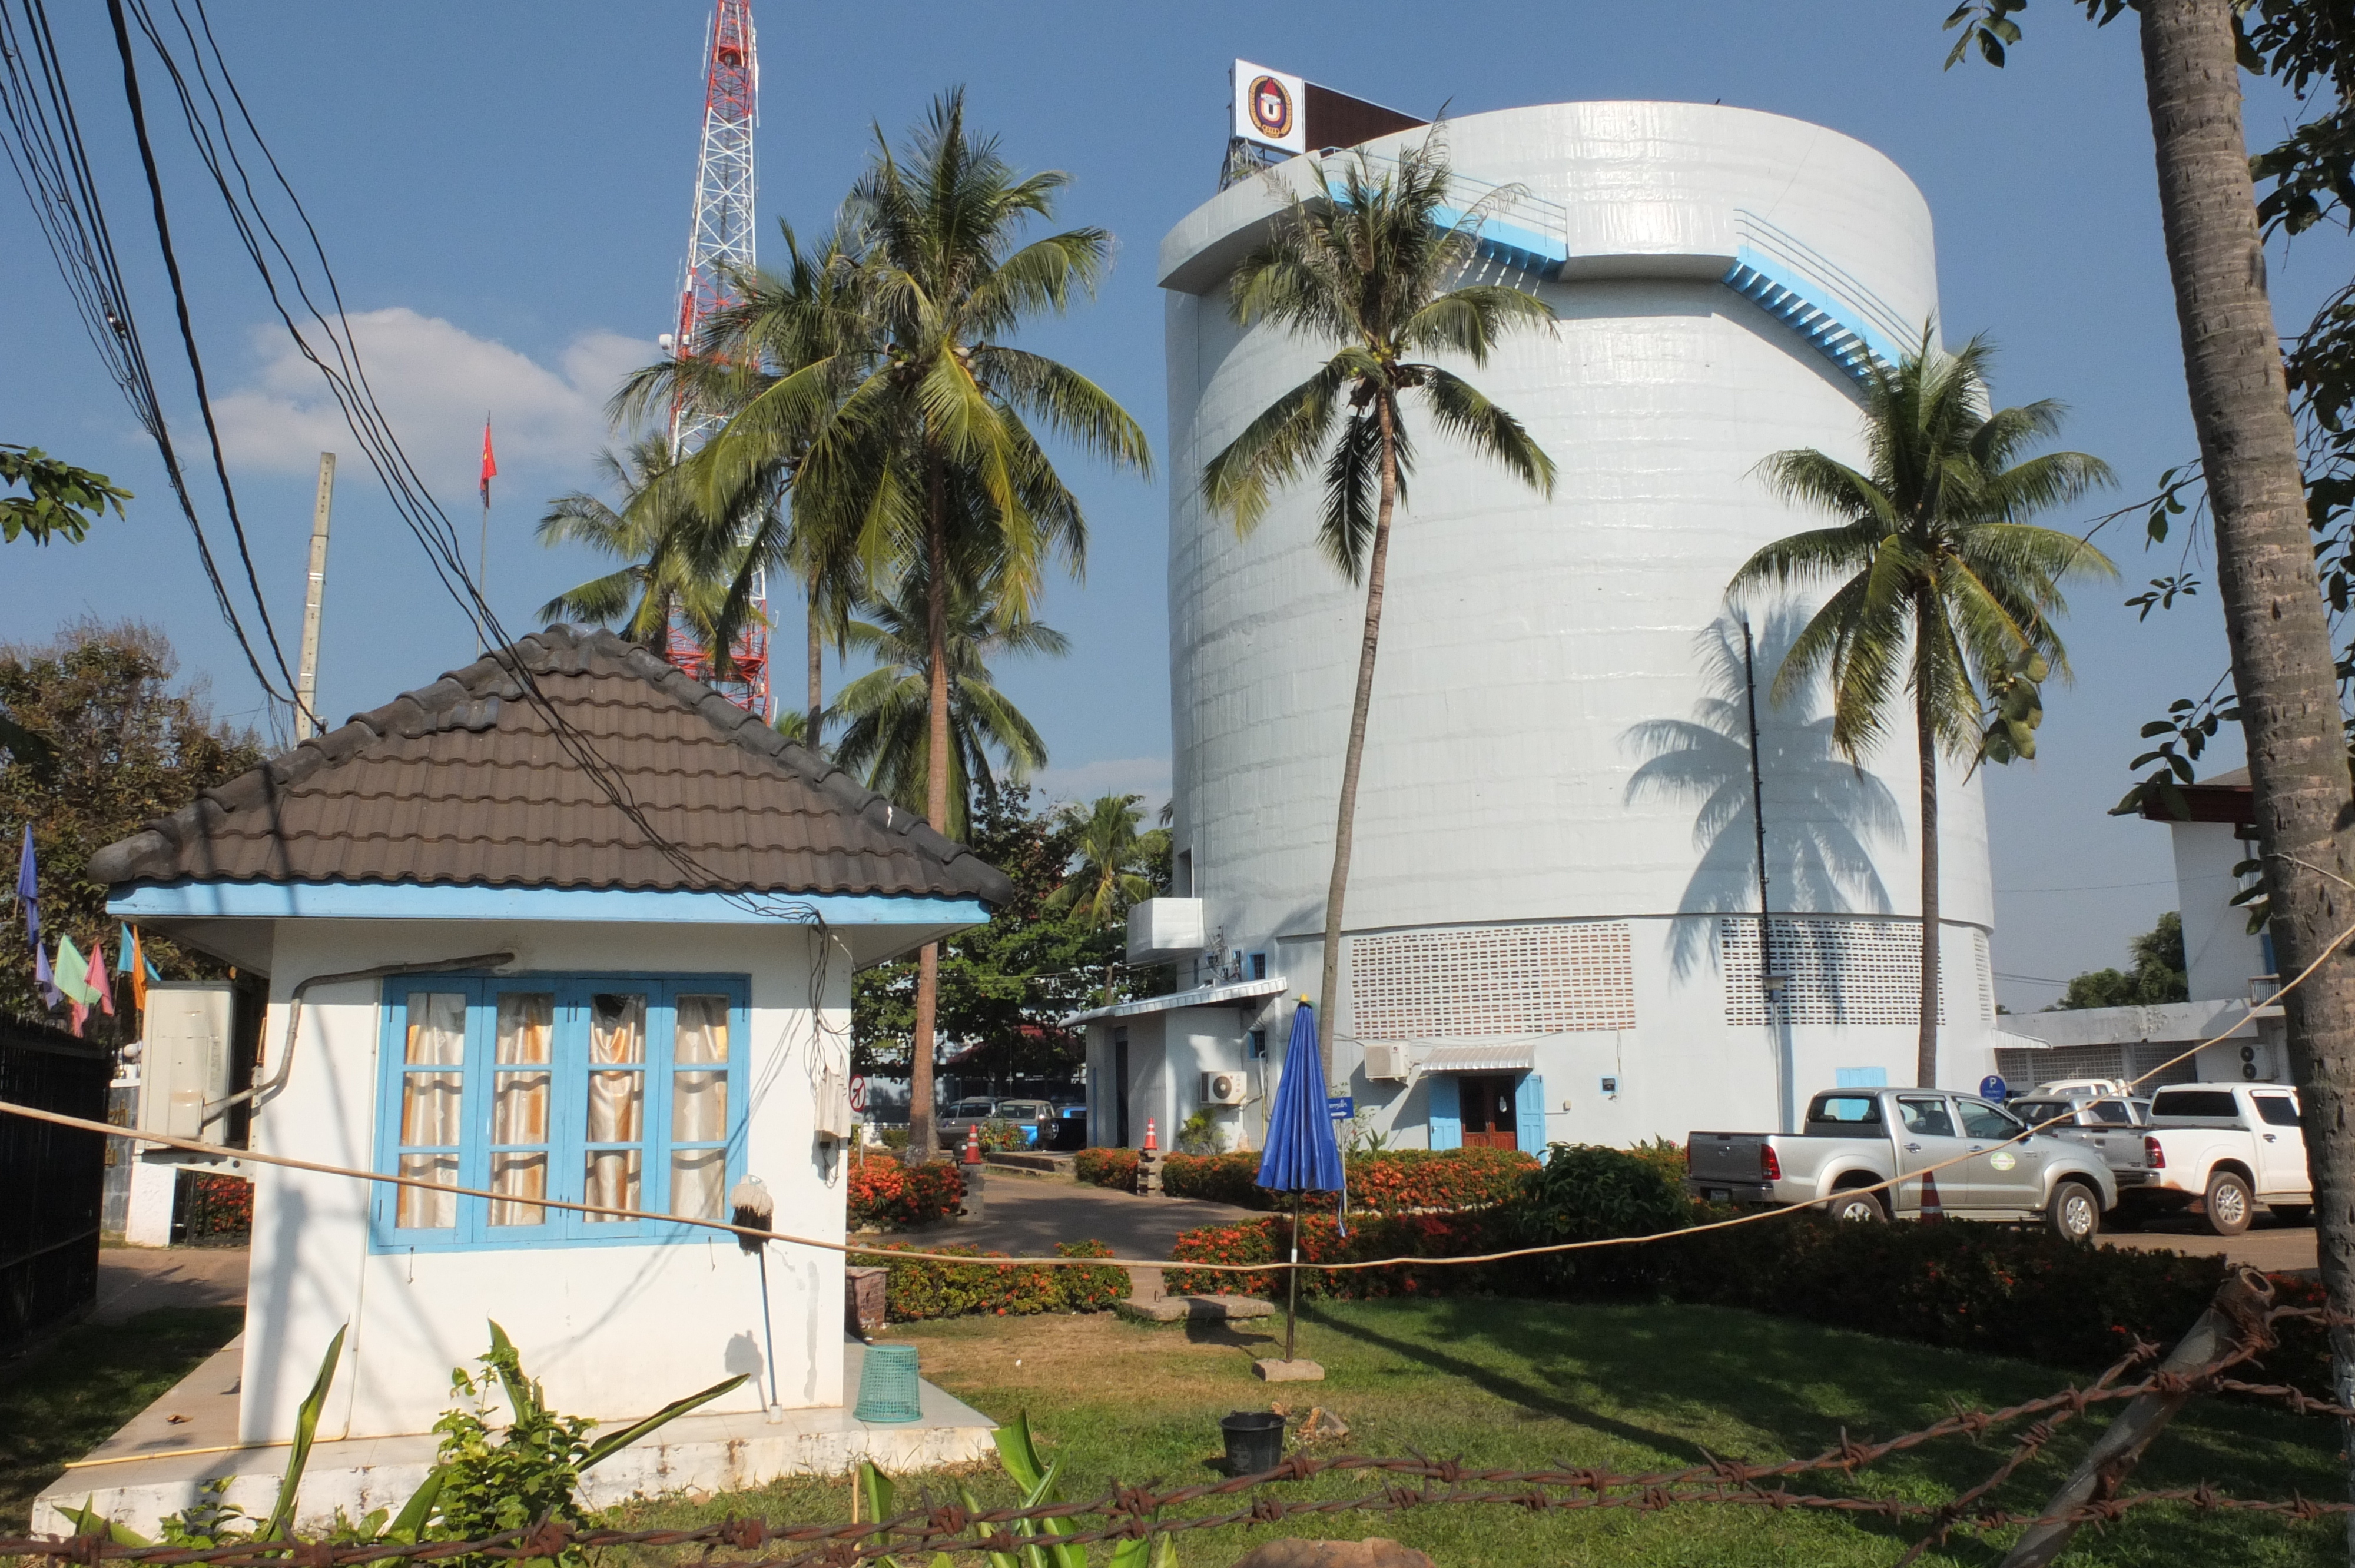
x=887 y=734
x=655 y=584
x=1115 y=862
x=946 y=406
x=804 y=335
x=1366 y=274
x=1941 y=585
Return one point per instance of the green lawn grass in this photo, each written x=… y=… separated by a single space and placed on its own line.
x=1525 y=1385
x=66 y=1398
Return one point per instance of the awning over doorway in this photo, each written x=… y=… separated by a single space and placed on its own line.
x=1498 y=1058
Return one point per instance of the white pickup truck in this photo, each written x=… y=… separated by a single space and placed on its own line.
x=1987 y=1166
x=2220 y=1150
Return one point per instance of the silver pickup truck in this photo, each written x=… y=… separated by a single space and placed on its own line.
x=1986 y=1164
x=2100 y=1117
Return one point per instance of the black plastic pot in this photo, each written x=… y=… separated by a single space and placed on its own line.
x=1254 y=1441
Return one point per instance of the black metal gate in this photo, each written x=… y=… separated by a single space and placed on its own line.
x=53 y=1177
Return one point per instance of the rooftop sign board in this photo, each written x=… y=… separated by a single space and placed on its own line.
x=1270 y=107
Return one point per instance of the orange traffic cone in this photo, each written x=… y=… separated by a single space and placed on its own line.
x=972 y=1146
x=1151 y=1141
x=1931 y=1209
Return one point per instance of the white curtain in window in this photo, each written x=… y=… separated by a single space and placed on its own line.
x=431 y=1104
x=700 y=1029
x=520 y=1102
x=612 y=1181
x=698 y=1179
x=617 y=1033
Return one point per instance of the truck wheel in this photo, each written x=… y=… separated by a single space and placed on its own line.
x=2076 y=1212
x=1862 y=1207
x=2229 y=1204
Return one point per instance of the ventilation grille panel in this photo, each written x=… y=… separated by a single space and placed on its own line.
x=1493 y=980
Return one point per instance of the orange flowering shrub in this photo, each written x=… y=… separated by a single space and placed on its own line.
x=1398 y=1181
x=1385 y=1235
x=1113 y=1168
x=886 y=1191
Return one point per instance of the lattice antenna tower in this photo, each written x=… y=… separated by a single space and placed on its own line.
x=719 y=243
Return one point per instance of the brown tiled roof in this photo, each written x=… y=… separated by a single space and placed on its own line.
x=465 y=783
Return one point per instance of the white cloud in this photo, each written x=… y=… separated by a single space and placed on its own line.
x=434 y=381
x=1145 y=776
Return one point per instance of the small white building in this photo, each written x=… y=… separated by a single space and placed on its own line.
x=2229 y=968
x=565 y=925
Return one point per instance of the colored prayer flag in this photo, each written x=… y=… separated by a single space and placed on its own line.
x=490 y=461
x=134 y=959
x=72 y=974
x=28 y=893
x=97 y=978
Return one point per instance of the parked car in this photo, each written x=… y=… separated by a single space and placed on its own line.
x=2220 y=1150
x=1034 y=1119
x=2100 y=1117
x=1857 y=1138
x=960 y=1117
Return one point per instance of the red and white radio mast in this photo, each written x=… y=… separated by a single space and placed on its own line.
x=719 y=243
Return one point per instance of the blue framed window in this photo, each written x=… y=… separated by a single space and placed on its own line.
x=624 y=1091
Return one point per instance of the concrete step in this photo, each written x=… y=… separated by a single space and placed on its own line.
x=1195 y=1308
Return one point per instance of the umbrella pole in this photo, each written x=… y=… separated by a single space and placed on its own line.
x=1292 y=1281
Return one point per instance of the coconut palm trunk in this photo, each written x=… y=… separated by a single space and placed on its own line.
x=2274 y=617
x=937 y=766
x=816 y=674
x=1925 y=731
x=1353 y=756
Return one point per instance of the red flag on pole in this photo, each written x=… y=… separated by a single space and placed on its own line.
x=490 y=461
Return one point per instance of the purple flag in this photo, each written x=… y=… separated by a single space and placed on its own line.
x=28 y=893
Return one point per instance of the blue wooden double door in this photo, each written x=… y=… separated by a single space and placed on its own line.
x=1488 y=1110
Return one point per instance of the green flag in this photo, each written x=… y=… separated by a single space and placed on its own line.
x=73 y=973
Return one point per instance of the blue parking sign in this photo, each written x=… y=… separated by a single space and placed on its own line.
x=1993 y=1087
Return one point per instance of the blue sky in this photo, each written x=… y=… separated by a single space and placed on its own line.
x=504 y=190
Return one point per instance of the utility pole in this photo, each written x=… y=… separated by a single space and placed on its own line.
x=306 y=680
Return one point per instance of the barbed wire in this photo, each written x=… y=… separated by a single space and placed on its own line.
x=1131 y=1512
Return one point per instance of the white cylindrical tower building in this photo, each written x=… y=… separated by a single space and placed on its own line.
x=1553 y=923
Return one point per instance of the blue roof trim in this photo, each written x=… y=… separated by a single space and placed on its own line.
x=408 y=901
x=1849 y=344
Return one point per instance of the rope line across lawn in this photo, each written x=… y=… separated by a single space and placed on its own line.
x=910 y=1254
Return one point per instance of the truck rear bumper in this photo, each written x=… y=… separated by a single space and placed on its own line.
x=1730 y=1191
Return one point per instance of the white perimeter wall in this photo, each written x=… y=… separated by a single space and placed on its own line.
x=2221 y=954
x=614 y=1332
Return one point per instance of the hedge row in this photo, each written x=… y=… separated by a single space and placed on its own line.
x=2019 y=1291
x=918 y=1288
x=883 y=1190
x=1393 y=1181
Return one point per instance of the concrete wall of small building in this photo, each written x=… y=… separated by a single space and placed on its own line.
x=2221 y=954
x=613 y=1331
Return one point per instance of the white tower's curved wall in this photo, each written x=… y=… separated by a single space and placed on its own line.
x=1556 y=859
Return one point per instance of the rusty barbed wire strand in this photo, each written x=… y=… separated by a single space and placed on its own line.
x=1129 y=1512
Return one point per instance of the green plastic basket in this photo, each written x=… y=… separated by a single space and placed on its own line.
x=887 y=1385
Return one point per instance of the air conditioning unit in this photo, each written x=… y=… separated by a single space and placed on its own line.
x=1386 y=1059
x=1225 y=1088
x=185 y=1061
x=1166 y=930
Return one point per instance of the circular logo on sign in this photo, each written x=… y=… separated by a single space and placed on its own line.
x=858 y=1095
x=1270 y=107
x=2003 y=1159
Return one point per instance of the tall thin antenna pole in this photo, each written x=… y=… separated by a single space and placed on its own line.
x=306 y=677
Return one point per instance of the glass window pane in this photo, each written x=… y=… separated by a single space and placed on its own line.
x=617 y=1027
x=429 y=1107
x=699 y=1107
x=616 y=1106
x=696 y=1177
x=526 y=1023
x=519 y=1108
x=612 y=1183
x=437 y=1028
x=699 y=1029
x=421 y=1208
x=518 y=1176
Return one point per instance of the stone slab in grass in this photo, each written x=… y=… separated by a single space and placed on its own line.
x=1195 y=1308
x=1274 y=1370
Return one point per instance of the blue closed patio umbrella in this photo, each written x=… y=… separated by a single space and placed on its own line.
x=1301 y=1156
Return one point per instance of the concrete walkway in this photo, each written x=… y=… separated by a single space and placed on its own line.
x=135 y=1279
x=1022 y=1214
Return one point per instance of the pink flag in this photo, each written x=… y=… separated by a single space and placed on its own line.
x=97 y=977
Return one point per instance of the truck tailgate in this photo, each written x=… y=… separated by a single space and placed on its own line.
x=1728 y=1157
